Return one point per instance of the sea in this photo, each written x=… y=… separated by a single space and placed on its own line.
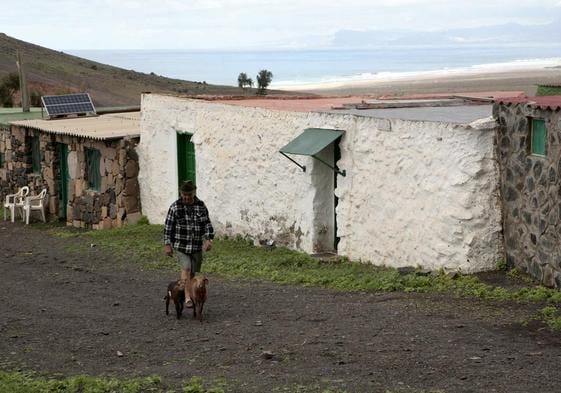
x=292 y=68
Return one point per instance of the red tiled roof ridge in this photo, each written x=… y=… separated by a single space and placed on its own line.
x=543 y=102
x=260 y=97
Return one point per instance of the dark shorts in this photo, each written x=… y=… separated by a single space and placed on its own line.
x=191 y=262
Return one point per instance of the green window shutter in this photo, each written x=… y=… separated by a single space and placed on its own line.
x=93 y=157
x=539 y=136
x=35 y=155
x=190 y=170
x=185 y=159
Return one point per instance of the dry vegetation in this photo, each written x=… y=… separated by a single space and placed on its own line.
x=53 y=72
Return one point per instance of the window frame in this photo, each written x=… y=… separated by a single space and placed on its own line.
x=93 y=182
x=532 y=135
x=35 y=154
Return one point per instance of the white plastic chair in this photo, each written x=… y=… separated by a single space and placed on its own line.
x=35 y=203
x=15 y=202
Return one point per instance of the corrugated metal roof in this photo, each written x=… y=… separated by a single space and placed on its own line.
x=110 y=126
x=542 y=102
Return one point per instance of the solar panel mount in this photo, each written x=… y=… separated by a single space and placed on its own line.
x=79 y=104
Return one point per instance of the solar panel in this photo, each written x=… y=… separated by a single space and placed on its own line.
x=68 y=104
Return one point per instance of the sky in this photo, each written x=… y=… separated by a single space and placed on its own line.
x=246 y=24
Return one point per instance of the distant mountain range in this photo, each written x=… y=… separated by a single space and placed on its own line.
x=510 y=33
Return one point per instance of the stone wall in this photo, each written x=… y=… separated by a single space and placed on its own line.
x=416 y=193
x=118 y=199
x=531 y=192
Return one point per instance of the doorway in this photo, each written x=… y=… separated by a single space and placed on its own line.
x=186 y=168
x=324 y=180
x=62 y=150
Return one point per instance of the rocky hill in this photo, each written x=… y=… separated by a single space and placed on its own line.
x=54 y=72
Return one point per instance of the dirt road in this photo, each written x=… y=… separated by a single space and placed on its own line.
x=69 y=313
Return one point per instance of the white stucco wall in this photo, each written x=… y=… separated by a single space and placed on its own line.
x=416 y=193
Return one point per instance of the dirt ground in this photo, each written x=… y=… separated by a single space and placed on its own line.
x=64 y=313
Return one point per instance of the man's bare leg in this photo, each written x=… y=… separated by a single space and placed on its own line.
x=186 y=278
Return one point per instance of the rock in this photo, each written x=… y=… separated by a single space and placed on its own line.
x=131 y=169
x=131 y=204
x=133 y=218
x=406 y=270
x=452 y=275
x=119 y=354
x=131 y=187
x=267 y=355
x=423 y=272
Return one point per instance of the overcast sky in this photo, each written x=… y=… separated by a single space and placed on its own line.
x=245 y=24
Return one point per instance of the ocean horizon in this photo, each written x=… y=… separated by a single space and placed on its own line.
x=292 y=68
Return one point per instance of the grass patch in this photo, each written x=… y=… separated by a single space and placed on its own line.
x=19 y=382
x=548 y=91
x=315 y=388
x=28 y=382
x=239 y=258
x=414 y=391
x=551 y=316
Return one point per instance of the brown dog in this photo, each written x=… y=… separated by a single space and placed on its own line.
x=176 y=292
x=197 y=292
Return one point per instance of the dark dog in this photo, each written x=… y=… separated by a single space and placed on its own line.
x=197 y=292
x=176 y=292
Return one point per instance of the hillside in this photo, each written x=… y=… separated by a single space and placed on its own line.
x=53 y=72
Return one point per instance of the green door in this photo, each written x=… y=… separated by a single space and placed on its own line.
x=185 y=159
x=63 y=183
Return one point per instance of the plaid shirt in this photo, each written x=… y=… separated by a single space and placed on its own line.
x=187 y=225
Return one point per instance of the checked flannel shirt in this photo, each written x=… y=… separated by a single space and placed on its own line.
x=187 y=225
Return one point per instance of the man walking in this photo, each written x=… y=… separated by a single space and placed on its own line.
x=189 y=232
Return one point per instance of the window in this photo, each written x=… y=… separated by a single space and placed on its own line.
x=2 y=160
x=538 y=137
x=35 y=154
x=92 y=169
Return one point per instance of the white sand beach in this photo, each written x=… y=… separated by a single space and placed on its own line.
x=524 y=76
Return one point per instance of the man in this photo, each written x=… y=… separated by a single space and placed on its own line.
x=189 y=232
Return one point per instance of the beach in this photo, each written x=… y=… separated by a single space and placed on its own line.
x=476 y=80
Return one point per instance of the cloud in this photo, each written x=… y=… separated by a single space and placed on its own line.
x=235 y=24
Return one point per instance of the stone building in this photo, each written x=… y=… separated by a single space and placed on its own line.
x=529 y=152
x=88 y=165
x=397 y=184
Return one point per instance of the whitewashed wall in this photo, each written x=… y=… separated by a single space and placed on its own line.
x=416 y=193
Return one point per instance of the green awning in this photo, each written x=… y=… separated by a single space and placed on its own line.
x=311 y=141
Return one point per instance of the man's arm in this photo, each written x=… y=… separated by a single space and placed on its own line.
x=209 y=230
x=169 y=228
x=209 y=233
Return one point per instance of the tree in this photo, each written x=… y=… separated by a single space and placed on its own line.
x=264 y=78
x=244 y=81
x=8 y=87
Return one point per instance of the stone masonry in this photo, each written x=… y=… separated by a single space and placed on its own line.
x=118 y=198
x=531 y=191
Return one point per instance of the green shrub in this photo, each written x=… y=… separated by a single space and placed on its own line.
x=548 y=90
x=143 y=221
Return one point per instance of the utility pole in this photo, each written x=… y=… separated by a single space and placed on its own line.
x=22 y=83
